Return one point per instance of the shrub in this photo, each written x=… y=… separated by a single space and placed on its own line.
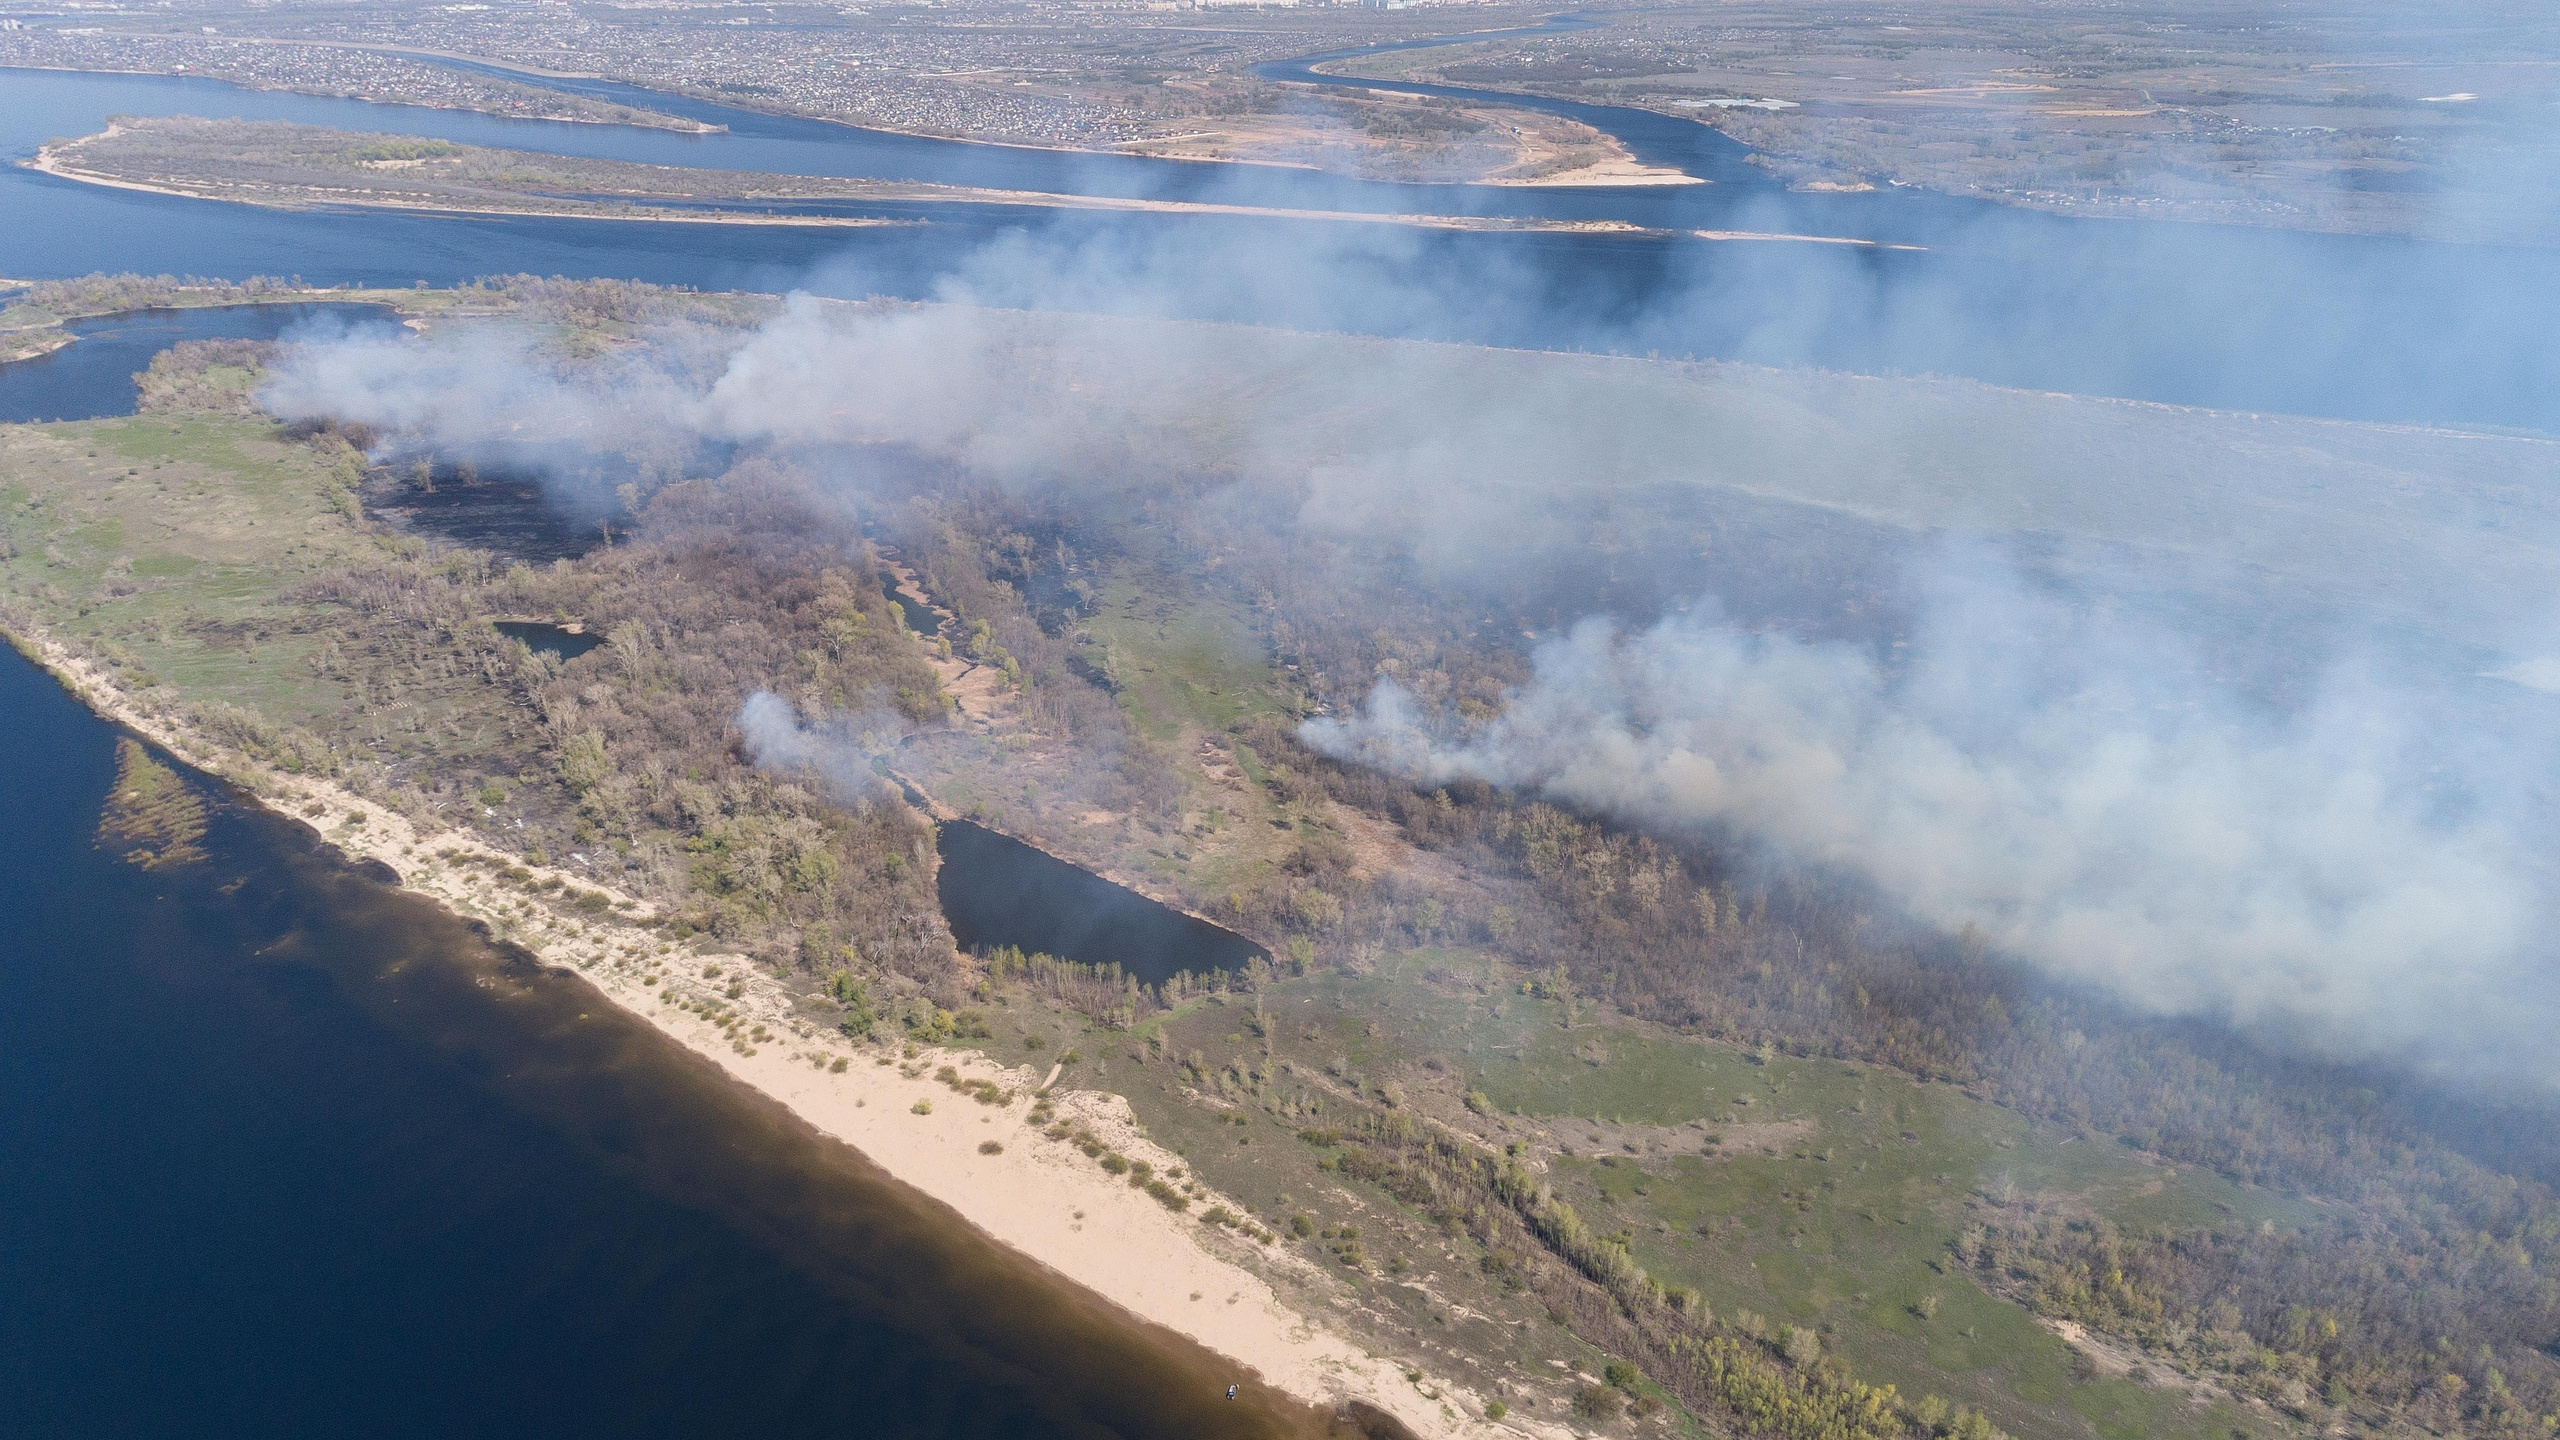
x=990 y=1147
x=922 y=1107
x=1596 y=1403
x=1623 y=1374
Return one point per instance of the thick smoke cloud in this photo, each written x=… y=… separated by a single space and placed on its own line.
x=2346 y=869
x=2071 y=792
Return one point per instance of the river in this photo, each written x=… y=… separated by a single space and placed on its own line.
x=2345 y=326
x=294 y=1154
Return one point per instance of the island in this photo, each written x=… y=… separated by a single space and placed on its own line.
x=1501 y=1112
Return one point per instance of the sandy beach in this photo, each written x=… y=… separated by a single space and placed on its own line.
x=51 y=163
x=51 y=160
x=1042 y=1197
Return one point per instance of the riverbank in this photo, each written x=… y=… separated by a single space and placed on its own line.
x=276 y=166
x=429 y=87
x=32 y=345
x=996 y=1165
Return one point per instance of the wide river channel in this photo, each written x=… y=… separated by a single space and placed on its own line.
x=2346 y=326
x=292 y=1153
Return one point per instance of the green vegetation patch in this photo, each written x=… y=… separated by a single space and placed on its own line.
x=1178 y=658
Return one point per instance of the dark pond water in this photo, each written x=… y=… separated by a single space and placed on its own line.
x=550 y=639
x=2347 y=326
x=920 y=618
x=289 y=1153
x=998 y=891
x=93 y=376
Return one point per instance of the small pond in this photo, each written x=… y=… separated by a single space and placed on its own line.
x=92 y=377
x=920 y=618
x=554 y=640
x=998 y=891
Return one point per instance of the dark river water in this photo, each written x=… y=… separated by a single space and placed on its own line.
x=289 y=1153
x=2355 y=327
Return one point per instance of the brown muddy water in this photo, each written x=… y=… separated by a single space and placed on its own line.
x=292 y=1152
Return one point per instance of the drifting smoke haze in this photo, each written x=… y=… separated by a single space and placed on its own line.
x=2039 y=779
x=2341 y=865
x=838 y=749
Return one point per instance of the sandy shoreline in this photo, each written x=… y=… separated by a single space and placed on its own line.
x=15 y=346
x=49 y=161
x=46 y=163
x=1042 y=1198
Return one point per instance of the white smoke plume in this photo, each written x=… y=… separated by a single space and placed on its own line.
x=2344 y=870
x=2061 y=788
x=837 y=749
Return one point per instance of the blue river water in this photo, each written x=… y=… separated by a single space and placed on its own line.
x=289 y=1153
x=94 y=375
x=2347 y=326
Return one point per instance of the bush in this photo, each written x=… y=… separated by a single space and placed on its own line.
x=922 y=1107
x=990 y=1147
x=1595 y=1403
x=1623 y=1374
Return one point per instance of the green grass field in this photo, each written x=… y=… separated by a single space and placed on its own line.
x=1182 y=659
x=176 y=539
x=1807 y=1191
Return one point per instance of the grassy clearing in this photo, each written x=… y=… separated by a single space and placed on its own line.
x=1807 y=1191
x=1181 y=659
x=175 y=538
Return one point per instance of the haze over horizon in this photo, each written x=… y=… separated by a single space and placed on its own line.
x=1210 y=722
